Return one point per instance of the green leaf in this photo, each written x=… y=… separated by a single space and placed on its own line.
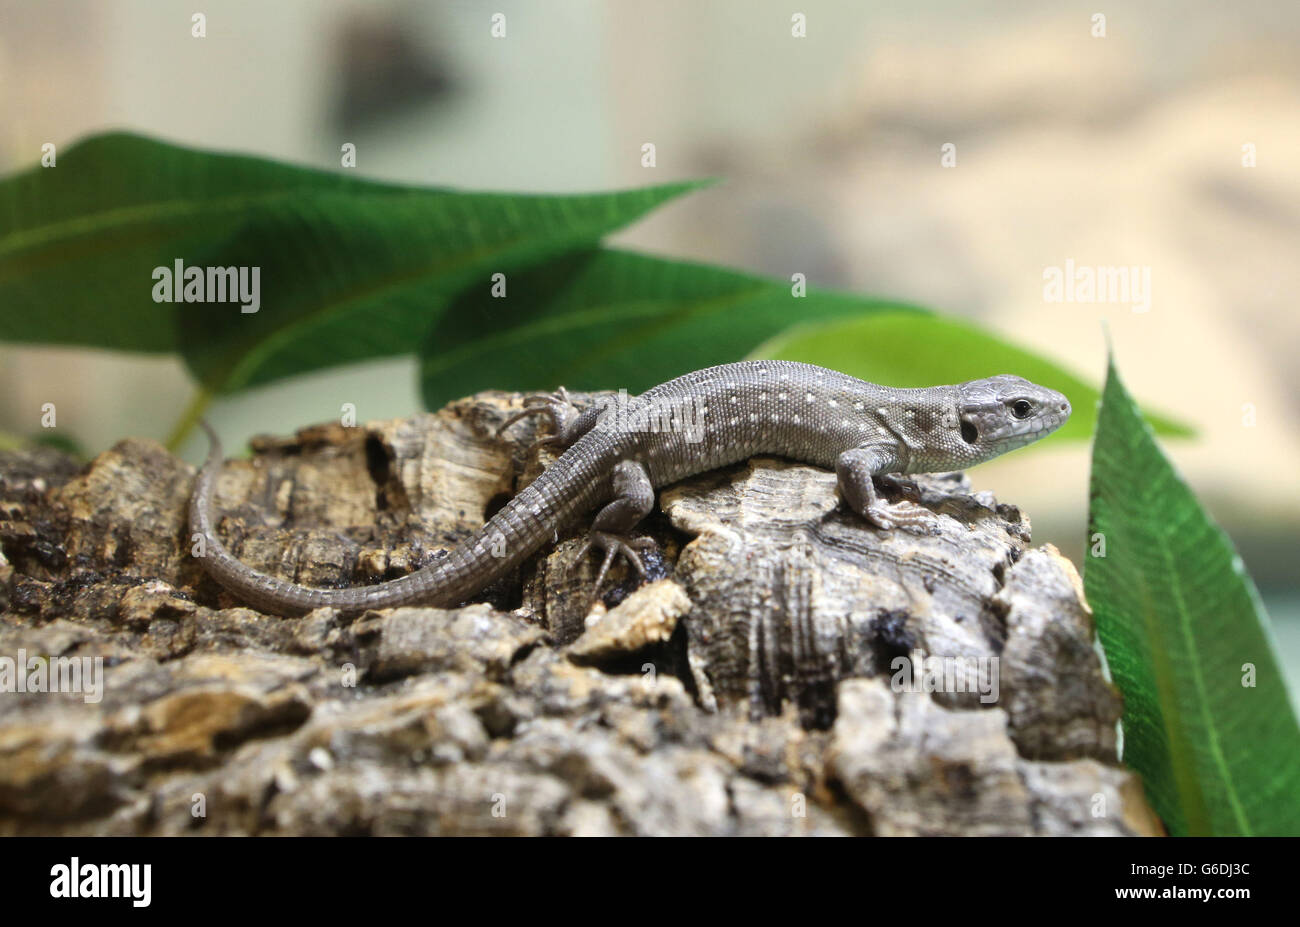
x=909 y=350
x=349 y=269
x=609 y=319
x=1180 y=619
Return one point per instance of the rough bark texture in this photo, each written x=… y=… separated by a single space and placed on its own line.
x=745 y=690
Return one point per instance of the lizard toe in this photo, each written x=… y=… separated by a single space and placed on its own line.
x=613 y=546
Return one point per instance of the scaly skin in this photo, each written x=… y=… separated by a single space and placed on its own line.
x=618 y=453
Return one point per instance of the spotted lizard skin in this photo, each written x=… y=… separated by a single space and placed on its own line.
x=618 y=452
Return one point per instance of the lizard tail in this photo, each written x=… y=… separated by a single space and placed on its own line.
x=492 y=551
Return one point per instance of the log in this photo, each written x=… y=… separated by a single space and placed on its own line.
x=754 y=685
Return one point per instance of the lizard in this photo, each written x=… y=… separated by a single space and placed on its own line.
x=617 y=452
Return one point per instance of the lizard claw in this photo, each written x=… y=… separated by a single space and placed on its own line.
x=546 y=441
x=555 y=406
x=911 y=518
x=613 y=545
x=560 y=414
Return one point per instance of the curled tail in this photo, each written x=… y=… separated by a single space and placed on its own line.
x=507 y=539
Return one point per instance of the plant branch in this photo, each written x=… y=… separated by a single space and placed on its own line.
x=189 y=418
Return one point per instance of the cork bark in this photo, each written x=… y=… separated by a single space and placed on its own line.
x=748 y=687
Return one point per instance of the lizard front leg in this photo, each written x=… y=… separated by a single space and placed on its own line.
x=901 y=485
x=634 y=497
x=856 y=468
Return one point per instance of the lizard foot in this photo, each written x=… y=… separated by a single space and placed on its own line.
x=555 y=406
x=559 y=411
x=911 y=518
x=613 y=545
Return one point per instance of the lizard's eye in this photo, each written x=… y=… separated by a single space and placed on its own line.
x=1021 y=408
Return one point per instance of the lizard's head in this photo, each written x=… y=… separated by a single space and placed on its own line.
x=999 y=414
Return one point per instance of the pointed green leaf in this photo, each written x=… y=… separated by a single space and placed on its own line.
x=1208 y=721
x=349 y=269
x=609 y=319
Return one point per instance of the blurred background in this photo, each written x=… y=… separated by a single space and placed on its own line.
x=1170 y=142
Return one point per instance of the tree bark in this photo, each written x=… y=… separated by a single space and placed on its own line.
x=751 y=686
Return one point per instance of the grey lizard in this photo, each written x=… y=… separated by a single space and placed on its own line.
x=617 y=452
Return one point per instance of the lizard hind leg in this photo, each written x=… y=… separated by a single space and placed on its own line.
x=634 y=497
x=567 y=424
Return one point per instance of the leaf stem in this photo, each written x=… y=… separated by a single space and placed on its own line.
x=189 y=418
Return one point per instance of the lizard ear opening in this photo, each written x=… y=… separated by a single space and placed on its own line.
x=969 y=433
